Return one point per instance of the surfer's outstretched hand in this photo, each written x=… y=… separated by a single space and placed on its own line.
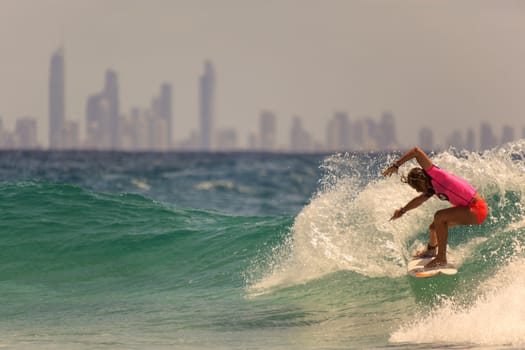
x=390 y=170
x=397 y=214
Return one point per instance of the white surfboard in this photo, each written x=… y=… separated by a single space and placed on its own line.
x=416 y=268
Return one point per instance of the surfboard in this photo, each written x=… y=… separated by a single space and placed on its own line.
x=416 y=268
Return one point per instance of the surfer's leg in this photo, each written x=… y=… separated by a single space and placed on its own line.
x=443 y=219
x=431 y=248
x=432 y=239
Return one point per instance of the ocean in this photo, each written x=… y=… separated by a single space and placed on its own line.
x=103 y=250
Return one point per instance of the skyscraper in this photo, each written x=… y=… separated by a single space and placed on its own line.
x=207 y=92
x=56 y=99
x=338 y=133
x=507 y=134
x=112 y=96
x=267 y=131
x=387 y=138
x=226 y=140
x=70 y=135
x=7 y=139
x=300 y=139
x=426 y=139
x=456 y=140
x=471 y=140
x=487 y=138
x=165 y=110
x=97 y=122
x=26 y=133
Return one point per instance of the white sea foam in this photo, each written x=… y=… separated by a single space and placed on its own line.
x=143 y=185
x=346 y=224
x=223 y=185
x=497 y=317
x=345 y=227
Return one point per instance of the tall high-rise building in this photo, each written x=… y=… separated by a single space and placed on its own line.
x=426 y=139
x=357 y=135
x=471 y=140
x=507 y=134
x=338 y=133
x=139 y=129
x=387 y=138
x=455 y=139
x=97 y=123
x=70 y=135
x=7 y=139
x=487 y=138
x=226 y=140
x=300 y=139
x=371 y=131
x=165 y=111
x=56 y=99
x=267 y=131
x=25 y=132
x=112 y=96
x=207 y=94
x=103 y=116
x=158 y=135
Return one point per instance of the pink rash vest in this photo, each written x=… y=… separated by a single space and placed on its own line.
x=450 y=187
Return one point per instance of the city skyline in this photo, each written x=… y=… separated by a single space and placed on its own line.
x=440 y=64
x=370 y=137
x=107 y=134
x=150 y=129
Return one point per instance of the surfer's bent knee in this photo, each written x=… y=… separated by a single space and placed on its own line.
x=439 y=218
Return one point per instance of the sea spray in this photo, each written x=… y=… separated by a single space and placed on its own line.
x=345 y=225
x=131 y=250
x=490 y=308
x=496 y=316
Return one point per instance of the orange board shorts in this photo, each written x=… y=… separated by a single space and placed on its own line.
x=480 y=209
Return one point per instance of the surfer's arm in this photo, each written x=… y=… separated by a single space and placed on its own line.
x=414 y=203
x=416 y=152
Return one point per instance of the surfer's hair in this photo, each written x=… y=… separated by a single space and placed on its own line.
x=416 y=177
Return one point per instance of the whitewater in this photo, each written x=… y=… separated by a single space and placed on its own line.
x=261 y=251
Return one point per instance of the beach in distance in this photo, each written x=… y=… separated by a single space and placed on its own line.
x=115 y=250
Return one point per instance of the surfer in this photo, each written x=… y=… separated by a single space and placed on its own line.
x=469 y=208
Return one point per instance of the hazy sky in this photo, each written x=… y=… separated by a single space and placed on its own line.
x=441 y=63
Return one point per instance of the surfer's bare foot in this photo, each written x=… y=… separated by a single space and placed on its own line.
x=428 y=252
x=436 y=263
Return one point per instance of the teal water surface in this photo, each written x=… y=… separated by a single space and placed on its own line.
x=250 y=251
